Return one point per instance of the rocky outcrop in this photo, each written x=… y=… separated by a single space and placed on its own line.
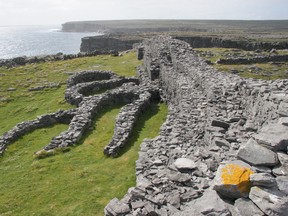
x=211 y=116
x=206 y=42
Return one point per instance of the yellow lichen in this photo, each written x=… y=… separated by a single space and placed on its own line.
x=233 y=174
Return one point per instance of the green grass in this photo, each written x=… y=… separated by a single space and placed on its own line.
x=80 y=181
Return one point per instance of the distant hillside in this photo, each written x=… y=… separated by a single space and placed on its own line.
x=211 y=26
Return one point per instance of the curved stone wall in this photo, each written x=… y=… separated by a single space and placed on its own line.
x=119 y=90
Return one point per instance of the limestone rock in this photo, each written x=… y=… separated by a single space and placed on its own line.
x=209 y=204
x=246 y=207
x=271 y=201
x=221 y=142
x=283 y=121
x=116 y=208
x=184 y=163
x=282 y=183
x=262 y=179
x=233 y=179
x=256 y=154
x=282 y=169
x=222 y=124
x=178 y=177
x=174 y=198
x=273 y=136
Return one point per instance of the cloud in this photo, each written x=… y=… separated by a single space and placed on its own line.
x=59 y=11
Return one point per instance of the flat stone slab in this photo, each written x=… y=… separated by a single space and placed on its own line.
x=274 y=137
x=245 y=207
x=218 y=123
x=282 y=183
x=257 y=155
x=209 y=204
x=116 y=208
x=184 y=163
x=233 y=179
x=262 y=179
x=282 y=169
x=270 y=201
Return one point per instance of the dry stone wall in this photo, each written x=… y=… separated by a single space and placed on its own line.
x=223 y=147
x=116 y=90
x=24 y=60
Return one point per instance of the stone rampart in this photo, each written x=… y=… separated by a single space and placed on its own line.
x=223 y=133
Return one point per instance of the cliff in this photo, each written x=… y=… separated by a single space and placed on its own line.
x=106 y=43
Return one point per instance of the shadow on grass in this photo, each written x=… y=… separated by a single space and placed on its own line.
x=152 y=110
x=43 y=155
x=96 y=118
x=145 y=116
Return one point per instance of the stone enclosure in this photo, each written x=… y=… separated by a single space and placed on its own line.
x=221 y=151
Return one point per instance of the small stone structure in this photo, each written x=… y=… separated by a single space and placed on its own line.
x=127 y=91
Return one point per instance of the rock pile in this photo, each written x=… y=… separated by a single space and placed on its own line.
x=223 y=147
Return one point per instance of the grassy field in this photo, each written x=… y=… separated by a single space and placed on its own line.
x=266 y=71
x=80 y=181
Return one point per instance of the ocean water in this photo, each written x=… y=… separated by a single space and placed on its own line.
x=38 y=40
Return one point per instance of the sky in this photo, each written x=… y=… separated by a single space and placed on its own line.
x=46 y=12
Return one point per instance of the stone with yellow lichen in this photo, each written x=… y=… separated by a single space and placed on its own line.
x=233 y=179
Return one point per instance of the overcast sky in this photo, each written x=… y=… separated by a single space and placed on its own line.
x=30 y=12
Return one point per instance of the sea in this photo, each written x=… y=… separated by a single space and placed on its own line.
x=27 y=41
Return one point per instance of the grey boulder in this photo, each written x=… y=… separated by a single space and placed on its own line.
x=273 y=136
x=245 y=207
x=257 y=155
x=184 y=163
x=116 y=208
x=282 y=183
x=209 y=204
x=232 y=179
x=262 y=179
x=282 y=169
x=271 y=201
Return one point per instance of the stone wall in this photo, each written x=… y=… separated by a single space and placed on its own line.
x=23 y=60
x=135 y=97
x=262 y=59
x=223 y=133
